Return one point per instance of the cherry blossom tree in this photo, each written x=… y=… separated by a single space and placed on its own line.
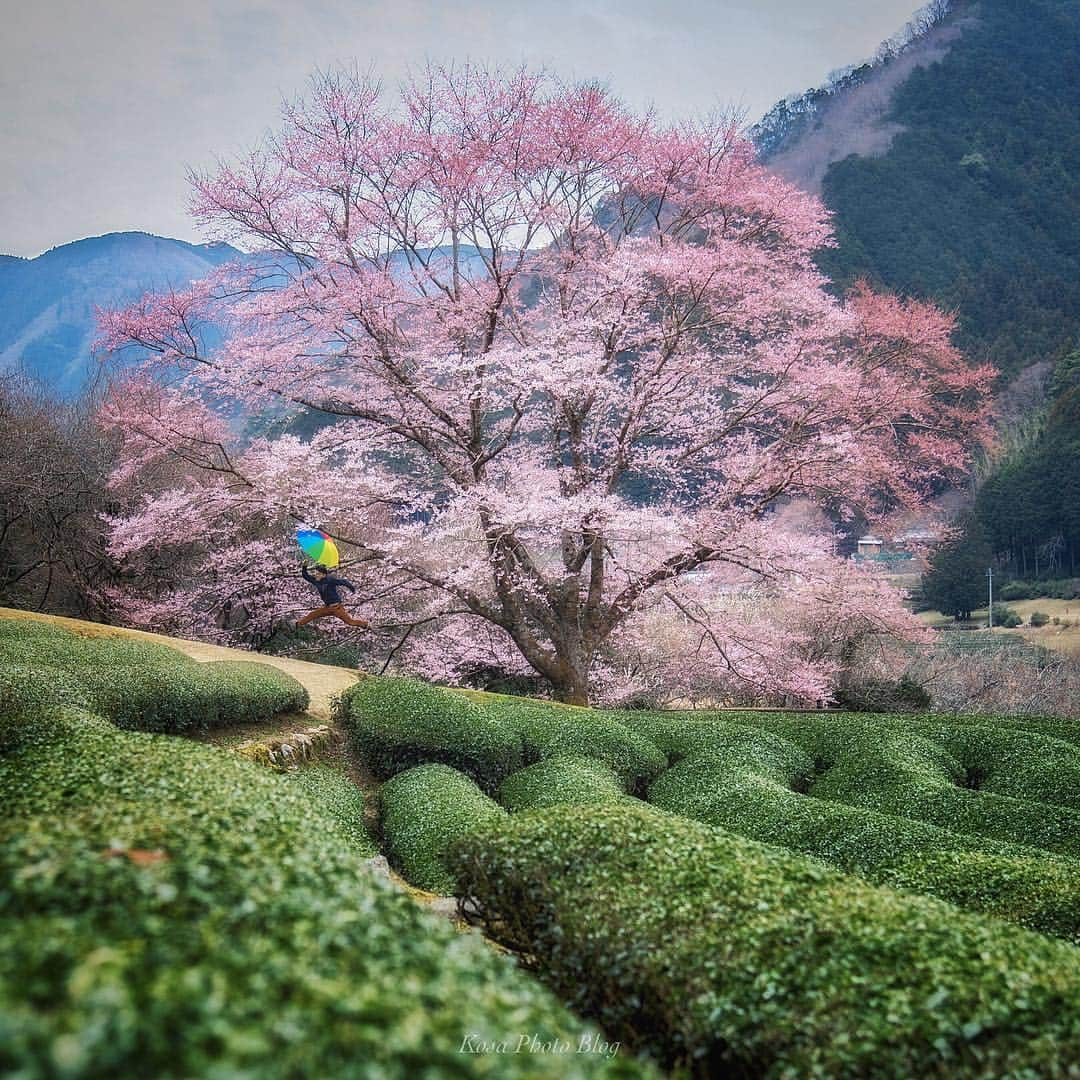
x=553 y=357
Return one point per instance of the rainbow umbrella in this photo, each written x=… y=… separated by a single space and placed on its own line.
x=318 y=547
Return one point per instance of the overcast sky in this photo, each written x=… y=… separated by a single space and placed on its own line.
x=106 y=103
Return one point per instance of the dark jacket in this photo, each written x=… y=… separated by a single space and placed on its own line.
x=328 y=587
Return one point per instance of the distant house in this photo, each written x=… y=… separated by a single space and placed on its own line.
x=916 y=539
x=869 y=545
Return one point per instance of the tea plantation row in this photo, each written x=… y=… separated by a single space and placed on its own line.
x=628 y=884
x=168 y=909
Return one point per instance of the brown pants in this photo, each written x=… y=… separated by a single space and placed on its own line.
x=336 y=610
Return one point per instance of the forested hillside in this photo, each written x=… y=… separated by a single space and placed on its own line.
x=1029 y=507
x=976 y=204
x=964 y=188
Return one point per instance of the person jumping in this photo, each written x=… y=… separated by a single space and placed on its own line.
x=327 y=586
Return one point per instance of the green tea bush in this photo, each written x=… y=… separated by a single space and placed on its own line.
x=422 y=813
x=756 y=783
x=32 y=642
x=249 y=692
x=1039 y=618
x=139 y=685
x=757 y=805
x=565 y=778
x=25 y=686
x=888 y=766
x=1056 y=727
x=736 y=958
x=1041 y=894
x=1024 y=765
x=170 y=910
x=553 y=730
x=333 y=794
x=395 y=724
x=734 y=737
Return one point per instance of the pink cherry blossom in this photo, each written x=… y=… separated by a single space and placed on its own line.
x=567 y=362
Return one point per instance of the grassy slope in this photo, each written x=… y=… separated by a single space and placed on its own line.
x=1065 y=639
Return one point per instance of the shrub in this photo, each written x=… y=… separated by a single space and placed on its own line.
x=1062 y=589
x=683 y=734
x=1057 y=727
x=1027 y=765
x=170 y=910
x=743 y=800
x=29 y=641
x=1041 y=894
x=26 y=686
x=738 y=958
x=565 y=778
x=553 y=730
x=136 y=684
x=885 y=696
x=1039 y=618
x=895 y=767
x=422 y=813
x=398 y=723
x=763 y=785
x=249 y=692
x=336 y=796
x=1017 y=590
x=1006 y=617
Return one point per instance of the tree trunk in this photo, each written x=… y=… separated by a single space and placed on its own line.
x=572 y=685
x=573 y=693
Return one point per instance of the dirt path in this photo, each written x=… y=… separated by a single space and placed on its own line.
x=321 y=680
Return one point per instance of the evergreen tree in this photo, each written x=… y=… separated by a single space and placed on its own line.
x=956 y=582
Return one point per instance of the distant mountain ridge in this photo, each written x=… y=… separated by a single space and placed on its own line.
x=48 y=304
x=801 y=136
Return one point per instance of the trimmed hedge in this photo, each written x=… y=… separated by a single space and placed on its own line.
x=901 y=772
x=725 y=793
x=399 y=723
x=1041 y=894
x=336 y=796
x=396 y=724
x=26 y=686
x=170 y=910
x=753 y=782
x=998 y=760
x=730 y=956
x=423 y=812
x=553 y=730
x=139 y=685
x=565 y=778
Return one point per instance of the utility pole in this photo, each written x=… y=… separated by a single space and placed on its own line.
x=990 y=580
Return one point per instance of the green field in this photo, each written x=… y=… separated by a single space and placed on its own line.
x=1063 y=636
x=754 y=894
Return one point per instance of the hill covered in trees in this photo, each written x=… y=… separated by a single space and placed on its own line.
x=951 y=163
x=976 y=202
x=48 y=305
x=1029 y=507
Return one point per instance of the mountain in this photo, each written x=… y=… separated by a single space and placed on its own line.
x=952 y=169
x=47 y=304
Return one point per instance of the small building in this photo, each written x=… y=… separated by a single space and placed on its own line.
x=869 y=545
x=916 y=539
